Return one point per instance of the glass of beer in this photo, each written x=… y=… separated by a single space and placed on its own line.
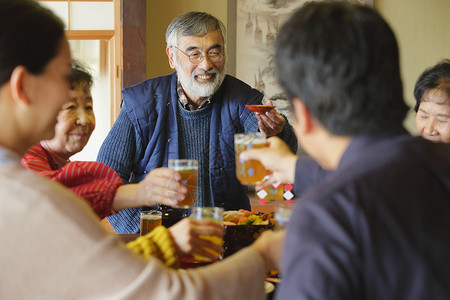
x=188 y=169
x=282 y=215
x=149 y=220
x=249 y=172
x=208 y=213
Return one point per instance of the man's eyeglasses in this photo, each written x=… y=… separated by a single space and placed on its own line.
x=196 y=57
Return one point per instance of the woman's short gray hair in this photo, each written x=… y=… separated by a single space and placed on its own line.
x=192 y=23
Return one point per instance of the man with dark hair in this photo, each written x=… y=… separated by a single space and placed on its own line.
x=192 y=113
x=377 y=226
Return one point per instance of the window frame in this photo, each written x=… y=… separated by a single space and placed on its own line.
x=114 y=40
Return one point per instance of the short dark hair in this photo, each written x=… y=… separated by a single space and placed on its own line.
x=30 y=36
x=80 y=74
x=342 y=61
x=435 y=77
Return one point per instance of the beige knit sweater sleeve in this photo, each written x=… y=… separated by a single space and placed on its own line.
x=53 y=247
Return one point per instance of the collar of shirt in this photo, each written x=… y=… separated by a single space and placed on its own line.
x=184 y=100
x=55 y=160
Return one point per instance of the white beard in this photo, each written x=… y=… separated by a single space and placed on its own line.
x=200 y=89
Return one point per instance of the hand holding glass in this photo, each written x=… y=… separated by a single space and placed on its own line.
x=188 y=169
x=208 y=213
x=249 y=172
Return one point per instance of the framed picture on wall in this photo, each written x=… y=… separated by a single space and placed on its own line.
x=252 y=28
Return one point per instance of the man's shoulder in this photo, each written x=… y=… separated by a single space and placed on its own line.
x=386 y=167
x=149 y=85
x=149 y=92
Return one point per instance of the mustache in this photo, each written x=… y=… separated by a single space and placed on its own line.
x=212 y=71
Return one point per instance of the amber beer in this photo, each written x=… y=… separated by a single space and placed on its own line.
x=188 y=169
x=208 y=213
x=249 y=172
x=149 y=220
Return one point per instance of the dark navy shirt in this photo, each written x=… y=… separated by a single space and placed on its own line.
x=307 y=173
x=376 y=228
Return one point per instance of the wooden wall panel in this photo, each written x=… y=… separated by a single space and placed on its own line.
x=133 y=34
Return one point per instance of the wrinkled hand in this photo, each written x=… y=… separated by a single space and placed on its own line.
x=276 y=158
x=271 y=123
x=270 y=246
x=186 y=233
x=163 y=186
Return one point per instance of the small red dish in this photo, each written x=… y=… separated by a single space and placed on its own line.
x=262 y=109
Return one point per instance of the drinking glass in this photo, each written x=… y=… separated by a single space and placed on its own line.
x=149 y=220
x=282 y=215
x=208 y=213
x=250 y=172
x=188 y=169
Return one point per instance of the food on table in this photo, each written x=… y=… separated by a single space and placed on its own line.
x=245 y=217
x=243 y=227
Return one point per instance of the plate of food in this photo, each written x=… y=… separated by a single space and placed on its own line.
x=262 y=109
x=243 y=227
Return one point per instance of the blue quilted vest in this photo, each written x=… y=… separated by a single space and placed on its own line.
x=151 y=106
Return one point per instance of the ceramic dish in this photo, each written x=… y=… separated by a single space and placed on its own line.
x=262 y=109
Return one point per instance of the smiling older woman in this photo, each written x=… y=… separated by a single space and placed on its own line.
x=93 y=181
x=432 y=93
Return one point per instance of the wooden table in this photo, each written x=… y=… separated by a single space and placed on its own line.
x=256 y=207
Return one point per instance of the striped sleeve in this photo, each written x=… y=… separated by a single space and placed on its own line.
x=93 y=181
